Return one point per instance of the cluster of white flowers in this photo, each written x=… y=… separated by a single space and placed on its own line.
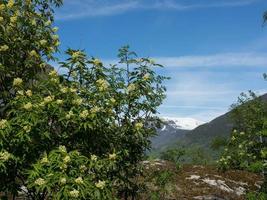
x=3 y=124
x=62 y=148
x=44 y=160
x=112 y=156
x=102 y=84
x=139 y=125
x=76 y=54
x=77 y=101
x=112 y=100
x=64 y=90
x=100 y=184
x=43 y=42
x=4 y=155
x=146 y=76
x=95 y=109
x=27 y=106
x=48 y=23
x=59 y=102
x=79 y=180
x=53 y=73
x=96 y=62
x=83 y=168
x=66 y=159
x=4 y=48
x=48 y=99
x=27 y=128
x=33 y=53
x=17 y=82
x=131 y=88
x=74 y=193
x=63 y=181
x=84 y=114
x=93 y=157
x=10 y=4
x=40 y=181
x=29 y=93
x=69 y=115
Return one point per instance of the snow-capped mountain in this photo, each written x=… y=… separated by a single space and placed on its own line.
x=182 y=123
x=172 y=129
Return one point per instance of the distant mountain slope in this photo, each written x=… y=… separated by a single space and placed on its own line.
x=173 y=134
x=172 y=130
x=205 y=133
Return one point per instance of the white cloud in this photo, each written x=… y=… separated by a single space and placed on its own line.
x=90 y=8
x=216 y=60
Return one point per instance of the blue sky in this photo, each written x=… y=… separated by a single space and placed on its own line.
x=212 y=49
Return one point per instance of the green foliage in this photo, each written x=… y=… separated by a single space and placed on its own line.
x=91 y=109
x=162 y=184
x=27 y=40
x=245 y=149
x=218 y=143
x=256 y=196
x=69 y=175
x=173 y=155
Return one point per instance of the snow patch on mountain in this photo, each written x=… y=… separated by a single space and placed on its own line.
x=182 y=123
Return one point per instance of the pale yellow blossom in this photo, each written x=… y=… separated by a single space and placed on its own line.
x=40 y=181
x=93 y=157
x=33 y=22
x=77 y=101
x=63 y=181
x=2 y=7
x=13 y=19
x=1 y=19
x=55 y=29
x=48 y=99
x=102 y=84
x=59 y=102
x=146 y=76
x=84 y=114
x=27 y=128
x=29 y=93
x=17 y=81
x=3 y=124
x=48 y=23
x=69 y=115
x=27 y=106
x=53 y=73
x=74 y=193
x=43 y=42
x=131 y=87
x=33 y=53
x=44 y=159
x=95 y=109
x=96 y=62
x=66 y=159
x=64 y=90
x=4 y=48
x=10 y=4
x=112 y=156
x=139 y=125
x=79 y=180
x=62 y=149
x=100 y=184
x=4 y=155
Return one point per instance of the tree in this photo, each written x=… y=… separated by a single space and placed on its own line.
x=92 y=109
x=27 y=41
x=243 y=151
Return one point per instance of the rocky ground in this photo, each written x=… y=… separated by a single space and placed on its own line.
x=196 y=182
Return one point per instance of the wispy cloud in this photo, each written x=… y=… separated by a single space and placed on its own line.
x=215 y=60
x=90 y=8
